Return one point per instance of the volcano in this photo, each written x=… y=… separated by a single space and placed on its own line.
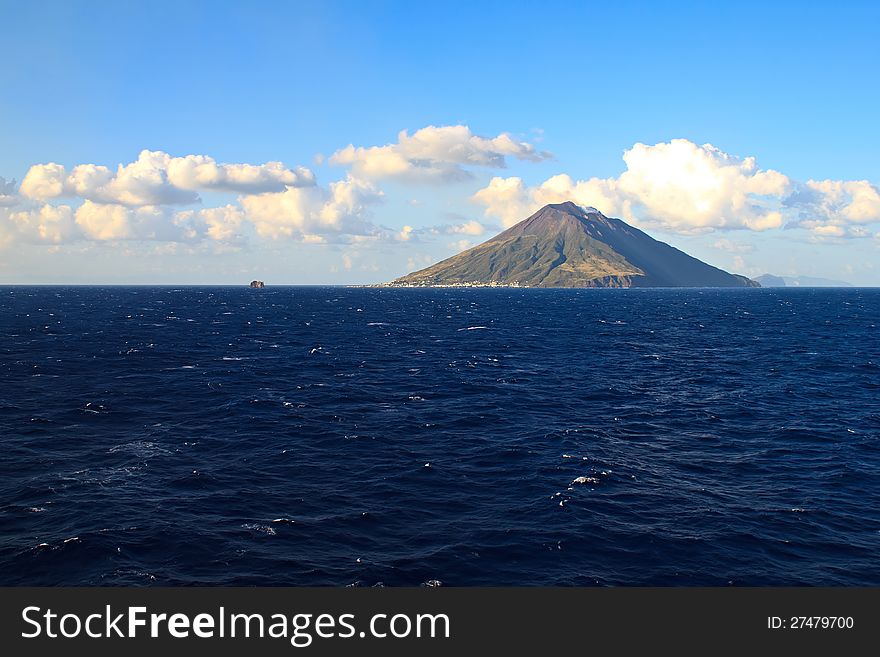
x=565 y=245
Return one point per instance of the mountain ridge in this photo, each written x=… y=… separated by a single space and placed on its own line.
x=565 y=245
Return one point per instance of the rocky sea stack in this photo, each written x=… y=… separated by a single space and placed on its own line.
x=565 y=245
x=258 y=284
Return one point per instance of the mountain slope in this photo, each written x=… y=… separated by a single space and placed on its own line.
x=564 y=245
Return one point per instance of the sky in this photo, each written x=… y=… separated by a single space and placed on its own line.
x=351 y=142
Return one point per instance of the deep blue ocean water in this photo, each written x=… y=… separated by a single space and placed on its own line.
x=342 y=436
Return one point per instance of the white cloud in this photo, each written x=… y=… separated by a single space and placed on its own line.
x=418 y=261
x=732 y=246
x=835 y=208
x=508 y=199
x=7 y=235
x=468 y=227
x=675 y=186
x=105 y=222
x=220 y=224
x=681 y=186
x=460 y=245
x=144 y=182
x=678 y=186
x=157 y=178
x=434 y=154
x=47 y=224
x=829 y=230
x=8 y=197
x=135 y=203
x=44 y=181
x=202 y=172
x=110 y=222
x=341 y=210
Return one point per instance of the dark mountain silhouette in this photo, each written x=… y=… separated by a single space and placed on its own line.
x=564 y=245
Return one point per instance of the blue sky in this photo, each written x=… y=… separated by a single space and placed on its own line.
x=572 y=86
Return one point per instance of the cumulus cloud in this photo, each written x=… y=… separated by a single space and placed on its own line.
x=435 y=154
x=108 y=222
x=682 y=186
x=157 y=178
x=419 y=261
x=104 y=222
x=202 y=172
x=137 y=202
x=677 y=185
x=731 y=246
x=221 y=224
x=460 y=245
x=835 y=208
x=467 y=227
x=112 y=222
x=46 y=224
x=302 y=212
x=8 y=197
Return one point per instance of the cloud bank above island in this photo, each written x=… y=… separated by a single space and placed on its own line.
x=682 y=187
x=676 y=186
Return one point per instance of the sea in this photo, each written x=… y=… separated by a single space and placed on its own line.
x=404 y=437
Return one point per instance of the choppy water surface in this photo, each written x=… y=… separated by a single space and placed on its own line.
x=485 y=436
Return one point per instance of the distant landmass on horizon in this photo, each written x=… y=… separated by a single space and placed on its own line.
x=769 y=280
x=565 y=245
